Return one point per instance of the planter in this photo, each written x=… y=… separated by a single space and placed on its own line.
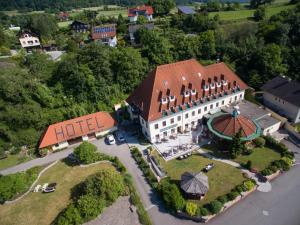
x=273 y=176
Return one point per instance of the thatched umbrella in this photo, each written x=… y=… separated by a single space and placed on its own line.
x=194 y=184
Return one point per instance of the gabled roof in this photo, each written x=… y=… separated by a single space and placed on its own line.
x=104 y=31
x=77 y=127
x=148 y=10
x=285 y=89
x=186 y=10
x=172 y=79
x=194 y=183
x=23 y=33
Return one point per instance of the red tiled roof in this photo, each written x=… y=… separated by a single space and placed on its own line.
x=147 y=9
x=229 y=125
x=105 y=31
x=173 y=79
x=77 y=127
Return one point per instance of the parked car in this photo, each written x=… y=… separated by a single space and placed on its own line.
x=120 y=137
x=111 y=140
x=50 y=188
x=209 y=167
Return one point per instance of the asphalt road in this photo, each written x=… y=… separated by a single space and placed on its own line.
x=281 y=206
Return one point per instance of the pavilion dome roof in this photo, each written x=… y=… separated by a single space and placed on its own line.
x=227 y=125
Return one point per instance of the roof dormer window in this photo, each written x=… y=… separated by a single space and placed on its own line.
x=218 y=84
x=224 y=82
x=212 y=86
x=193 y=92
x=164 y=101
x=186 y=94
x=205 y=87
x=172 y=98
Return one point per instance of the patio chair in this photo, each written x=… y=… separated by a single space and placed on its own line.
x=44 y=186
x=37 y=188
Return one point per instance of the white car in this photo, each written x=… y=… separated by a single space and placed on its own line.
x=111 y=140
x=120 y=137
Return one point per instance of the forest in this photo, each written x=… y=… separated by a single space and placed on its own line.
x=36 y=91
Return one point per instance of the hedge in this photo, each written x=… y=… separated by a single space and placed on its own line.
x=13 y=185
x=279 y=147
x=143 y=165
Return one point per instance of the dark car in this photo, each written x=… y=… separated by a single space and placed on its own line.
x=50 y=188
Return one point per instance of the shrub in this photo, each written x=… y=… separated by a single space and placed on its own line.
x=171 y=195
x=247 y=151
x=86 y=152
x=15 y=184
x=239 y=188
x=215 y=206
x=223 y=199
x=202 y=211
x=266 y=172
x=279 y=147
x=232 y=195
x=70 y=215
x=107 y=184
x=248 y=165
x=90 y=206
x=117 y=163
x=249 y=185
x=288 y=161
x=259 y=142
x=191 y=208
x=273 y=168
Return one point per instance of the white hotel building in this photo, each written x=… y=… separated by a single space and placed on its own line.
x=175 y=97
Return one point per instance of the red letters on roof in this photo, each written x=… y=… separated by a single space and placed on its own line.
x=77 y=127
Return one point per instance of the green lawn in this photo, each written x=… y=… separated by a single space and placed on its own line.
x=260 y=158
x=12 y=160
x=39 y=208
x=245 y=14
x=113 y=13
x=221 y=179
x=64 y=24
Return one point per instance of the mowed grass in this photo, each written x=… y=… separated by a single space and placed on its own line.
x=260 y=158
x=222 y=178
x=39 y=208
x=64 y=24
x=245 y=14
x=12 y=160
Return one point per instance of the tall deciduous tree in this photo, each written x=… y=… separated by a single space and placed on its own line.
x=162 y=7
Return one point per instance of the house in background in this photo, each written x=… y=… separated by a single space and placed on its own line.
x=185 y=10
x=283 y=96
x=145 y=11
x=132 y=28
x=79 y=27
x=29 y=40
x=106 y=34
x=63 y=16
x=84 y=128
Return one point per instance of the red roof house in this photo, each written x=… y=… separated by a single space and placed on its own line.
x=77 y=127
x=146 y=11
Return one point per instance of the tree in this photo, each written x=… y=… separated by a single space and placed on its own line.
x=259 y=13
x=207 y=45
x=162 y=7
x=90 y=206
x=237 y=146
x=215 y=206
x=257 y=3
x=107 y=184
x=259 y=142
x=86 y=152
x=129 y=68
x=70 y=216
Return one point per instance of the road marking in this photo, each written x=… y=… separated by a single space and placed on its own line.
x=150 y=207
x=266 y=213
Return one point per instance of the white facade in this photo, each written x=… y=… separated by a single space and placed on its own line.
x=283 y=107
x=60 y=146
x=27 y=41
x=135 y=18
x=184 y=120
x=271 y=129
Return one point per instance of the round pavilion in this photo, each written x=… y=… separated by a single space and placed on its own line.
x=226 y=125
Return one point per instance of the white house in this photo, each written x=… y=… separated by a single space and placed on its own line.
x=174 y=97
x=146 y=11
x=29 y=40
x=283 y=96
